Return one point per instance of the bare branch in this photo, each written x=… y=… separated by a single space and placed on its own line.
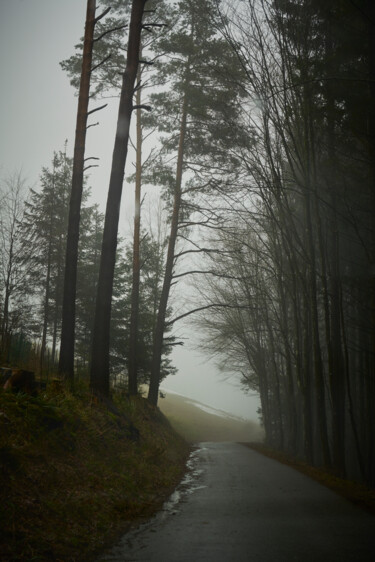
x=213 y=305
x=146 y=107
x=91 y=166
x=209 y=272
x=100 y=63
x=171 y=344
x=110 y=31
x=102 y=15
x=97 y=109
x=199 y=251
x=148 y=26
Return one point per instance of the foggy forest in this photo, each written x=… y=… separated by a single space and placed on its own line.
x=253 y=125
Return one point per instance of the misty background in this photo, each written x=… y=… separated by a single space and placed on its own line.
x=38 y=113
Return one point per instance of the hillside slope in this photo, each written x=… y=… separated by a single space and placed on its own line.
x=74 y=473
x=197 y=422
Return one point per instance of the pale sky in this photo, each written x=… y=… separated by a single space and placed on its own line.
x=38 y=112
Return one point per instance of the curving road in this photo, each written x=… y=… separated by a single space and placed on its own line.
x=236 y=505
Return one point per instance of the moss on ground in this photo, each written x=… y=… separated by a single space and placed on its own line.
x=74 y=475
x=356 y=493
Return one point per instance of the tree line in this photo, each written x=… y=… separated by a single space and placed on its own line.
x=164 y=56
x=33 y=239
x=295 y=313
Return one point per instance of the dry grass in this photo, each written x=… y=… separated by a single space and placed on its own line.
x=73 y=476
x=197 y=425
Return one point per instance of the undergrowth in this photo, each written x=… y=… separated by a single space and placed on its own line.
x=74 y=475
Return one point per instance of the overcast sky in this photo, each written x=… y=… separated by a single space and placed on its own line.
x=37 y=115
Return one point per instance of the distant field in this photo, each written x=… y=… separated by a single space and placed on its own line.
x=195 y=424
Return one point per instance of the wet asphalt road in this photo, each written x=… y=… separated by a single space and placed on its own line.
x=237 y=506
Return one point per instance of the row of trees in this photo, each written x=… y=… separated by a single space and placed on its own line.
x=189 y=80
x=294 y=313
x=186 y=54
x=33 y=245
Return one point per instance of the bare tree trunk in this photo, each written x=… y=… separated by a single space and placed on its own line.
x=133 y=337
x=66 y=361
x=46 y=310
x=306 y=387
x=318 y=363
x=312 y=280
x=160 y=322
x=337 y=379
x=99 y=372
x=7 y=296
x=291 y=444
x=371 y=371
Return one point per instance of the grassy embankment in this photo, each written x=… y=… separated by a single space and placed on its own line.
x=196 y=425
x=74 y=475
x=354 y=492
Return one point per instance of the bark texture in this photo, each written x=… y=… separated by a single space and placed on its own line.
x=66 y=361
x=99 y=372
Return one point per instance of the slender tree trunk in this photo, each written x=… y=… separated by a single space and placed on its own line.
x=57 y=302
x=371 y=371
x=318 y=363
x=5 y=325
x=352 y=408
x=312 y=279
x=336 y=375
x=291 y=444
x=134 y=315
x=306 y=385
x=160 y=322
x=46 y=310
x=99 y=372
x=66 y=361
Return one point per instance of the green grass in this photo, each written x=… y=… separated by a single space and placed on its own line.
x=73 y=476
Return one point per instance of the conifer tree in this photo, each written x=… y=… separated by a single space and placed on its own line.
x=199 y=70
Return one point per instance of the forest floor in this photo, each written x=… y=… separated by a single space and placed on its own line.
x=356 y=493
x=74 y=475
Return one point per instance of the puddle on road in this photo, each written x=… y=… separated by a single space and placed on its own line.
x=191 y=482
x=188 y=485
